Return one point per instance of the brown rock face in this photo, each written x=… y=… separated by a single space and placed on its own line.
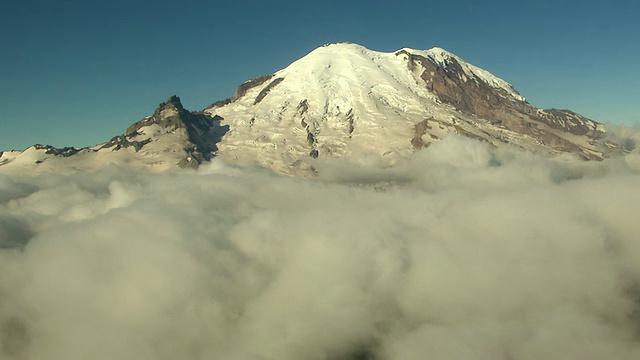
x=569 y=121
x=242 y=89
x=472 y=96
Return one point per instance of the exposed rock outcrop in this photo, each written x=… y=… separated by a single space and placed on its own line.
x=63 y=152
x=202 y=130
x=465 y=91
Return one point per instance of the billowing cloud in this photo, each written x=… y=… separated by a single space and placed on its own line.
x=464 y=251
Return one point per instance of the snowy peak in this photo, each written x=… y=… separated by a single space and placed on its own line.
x=171 y=115
x=441 y=57
x=348 y=48
x=346 y=100
x=196 y=132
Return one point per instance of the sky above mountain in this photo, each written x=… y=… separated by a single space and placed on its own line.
x=75 y=73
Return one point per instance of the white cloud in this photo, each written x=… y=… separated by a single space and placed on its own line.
x=462 y=252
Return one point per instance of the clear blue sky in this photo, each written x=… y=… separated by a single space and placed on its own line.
x=75 y=73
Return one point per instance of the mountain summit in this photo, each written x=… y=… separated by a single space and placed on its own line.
x=344 y=100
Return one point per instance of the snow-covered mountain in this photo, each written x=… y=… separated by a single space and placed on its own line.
x=340 y=100
x=171 y=138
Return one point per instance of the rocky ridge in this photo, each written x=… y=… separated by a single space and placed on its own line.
x=172 y=137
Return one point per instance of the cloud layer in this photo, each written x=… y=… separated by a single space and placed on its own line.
x=461 y=252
